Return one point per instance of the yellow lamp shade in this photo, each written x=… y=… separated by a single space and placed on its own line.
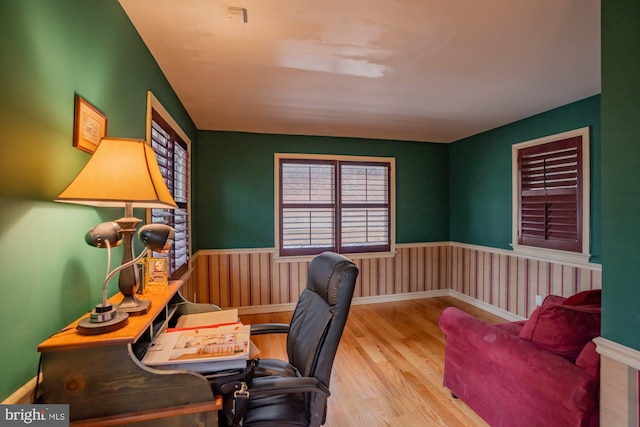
x=121 y=171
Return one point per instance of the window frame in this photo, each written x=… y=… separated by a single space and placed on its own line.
x=337 y=159
x=581 y=256
x=154 y=105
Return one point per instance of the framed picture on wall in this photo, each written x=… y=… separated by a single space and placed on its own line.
x=155 y=271
x=90 y=126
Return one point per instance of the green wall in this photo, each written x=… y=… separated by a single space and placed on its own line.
x=50 y=51
x=621 y=171
x=234 y=180
x=480 y=175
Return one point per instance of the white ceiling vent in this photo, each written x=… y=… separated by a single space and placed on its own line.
x=237 y=15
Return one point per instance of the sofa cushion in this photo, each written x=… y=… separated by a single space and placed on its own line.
x=585 y=298
x=589 y=360
x=553 y=299
x=563 y=329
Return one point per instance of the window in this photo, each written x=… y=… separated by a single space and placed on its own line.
x=551 y=193
x=340 y=204
x=171 y=146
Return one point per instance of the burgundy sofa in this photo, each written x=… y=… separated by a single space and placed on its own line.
x=544 y=371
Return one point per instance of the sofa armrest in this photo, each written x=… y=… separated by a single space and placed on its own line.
x=496 y=372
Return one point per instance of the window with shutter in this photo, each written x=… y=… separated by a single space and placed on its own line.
x=172 y=152
x=551 y=192
x=330 y=203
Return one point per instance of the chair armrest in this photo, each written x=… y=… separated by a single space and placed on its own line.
x=269 y=328
x=265 y=386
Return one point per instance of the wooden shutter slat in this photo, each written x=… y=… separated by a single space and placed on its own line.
x=557 y=194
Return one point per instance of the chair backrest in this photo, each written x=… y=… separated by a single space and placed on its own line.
x=320 y=315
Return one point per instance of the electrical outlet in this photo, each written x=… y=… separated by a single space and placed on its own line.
x=538 y=300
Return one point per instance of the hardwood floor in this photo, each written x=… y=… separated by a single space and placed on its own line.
x=389 y=366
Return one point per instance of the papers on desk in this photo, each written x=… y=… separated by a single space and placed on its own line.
x=209 y=318
x=201 y=347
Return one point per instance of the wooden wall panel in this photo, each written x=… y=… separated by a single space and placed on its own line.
x=457 y=269
x=619 y=384
x=188 y=289
x=511 y=283
x=245 y=278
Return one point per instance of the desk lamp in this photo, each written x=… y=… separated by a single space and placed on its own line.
x=104 y=317
x=122 y=173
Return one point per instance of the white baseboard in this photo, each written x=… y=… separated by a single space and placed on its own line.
x=485 y=306
x=377 y=299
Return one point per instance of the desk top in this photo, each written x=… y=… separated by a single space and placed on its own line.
x=68 y=338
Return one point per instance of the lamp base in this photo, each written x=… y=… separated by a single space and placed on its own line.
x=87 y=327
x=133 y=306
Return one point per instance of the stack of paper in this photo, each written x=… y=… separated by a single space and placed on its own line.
x=209 y=318
x=201 y=347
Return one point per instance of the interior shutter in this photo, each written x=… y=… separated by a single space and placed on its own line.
x=173 y=158
x=551 y=195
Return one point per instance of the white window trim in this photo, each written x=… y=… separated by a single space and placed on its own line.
x=392 y=200
x=154 y=104
x=543 y=254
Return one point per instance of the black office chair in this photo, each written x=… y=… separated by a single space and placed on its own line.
x=295 y=393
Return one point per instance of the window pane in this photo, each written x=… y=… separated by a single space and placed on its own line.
x=304 y=228
x=365 y=184
x=307 y=183
x=180 y=165
x=365 y=227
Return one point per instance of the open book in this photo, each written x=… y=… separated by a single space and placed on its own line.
x=201 y=349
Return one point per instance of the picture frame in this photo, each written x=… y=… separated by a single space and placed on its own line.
x=90 y=125
x=155 y=272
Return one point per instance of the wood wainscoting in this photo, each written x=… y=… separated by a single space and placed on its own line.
x=619 y=384
x=246 y=278
x=510 y=283
x=255 y=278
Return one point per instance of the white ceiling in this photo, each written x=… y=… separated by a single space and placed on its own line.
x=417 y=70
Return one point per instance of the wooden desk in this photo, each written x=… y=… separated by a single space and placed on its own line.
x=104 y=382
